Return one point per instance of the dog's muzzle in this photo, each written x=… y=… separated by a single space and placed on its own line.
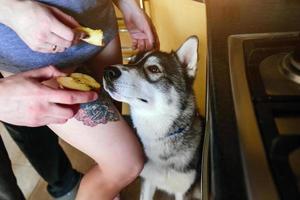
x=111 y=73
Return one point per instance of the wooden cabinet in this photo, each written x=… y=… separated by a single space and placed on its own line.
x=175 y=20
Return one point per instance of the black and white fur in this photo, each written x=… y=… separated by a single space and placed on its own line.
x=158 y=88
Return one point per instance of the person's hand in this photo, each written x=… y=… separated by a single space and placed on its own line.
x=139 y=25
x=43 y=28
x=25 y=100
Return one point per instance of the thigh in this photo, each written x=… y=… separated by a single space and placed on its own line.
x=98 y=129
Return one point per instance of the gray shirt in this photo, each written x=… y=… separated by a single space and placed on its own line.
x=16 y=56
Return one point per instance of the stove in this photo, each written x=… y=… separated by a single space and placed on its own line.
x=265 y=80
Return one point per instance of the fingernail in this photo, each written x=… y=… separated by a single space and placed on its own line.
x=83 y=35
x=95 y=97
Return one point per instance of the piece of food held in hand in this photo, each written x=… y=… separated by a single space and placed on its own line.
x=94 y=37
x=78 y=81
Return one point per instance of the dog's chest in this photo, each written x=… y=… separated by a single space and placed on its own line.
x=158 y=148
x=150 y=130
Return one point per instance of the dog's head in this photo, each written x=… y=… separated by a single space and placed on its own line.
x=154 y=80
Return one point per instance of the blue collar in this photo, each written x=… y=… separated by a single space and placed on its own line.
x=177 y=132
x=180 y=130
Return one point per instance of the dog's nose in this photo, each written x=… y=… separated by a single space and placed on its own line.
x=112 y=72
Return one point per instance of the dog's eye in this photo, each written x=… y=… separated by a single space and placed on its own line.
x=153 y=69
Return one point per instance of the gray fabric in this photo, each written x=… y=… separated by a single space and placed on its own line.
x=16 y=56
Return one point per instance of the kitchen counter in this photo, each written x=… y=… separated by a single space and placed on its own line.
x=226 y=18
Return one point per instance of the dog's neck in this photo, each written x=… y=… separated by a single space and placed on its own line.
x=155 y=125
x=150 y=125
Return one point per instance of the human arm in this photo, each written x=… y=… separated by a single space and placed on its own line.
x=25 y=100
x=139 y=25
x=40 y=26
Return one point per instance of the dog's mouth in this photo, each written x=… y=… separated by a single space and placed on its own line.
x=110 y=88
x=143 y=100
x=108 y=85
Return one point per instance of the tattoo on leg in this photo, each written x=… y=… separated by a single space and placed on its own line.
x=97 y=112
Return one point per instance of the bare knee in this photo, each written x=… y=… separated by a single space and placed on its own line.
x=134 y=170
x=114 y=177
x=124 y=172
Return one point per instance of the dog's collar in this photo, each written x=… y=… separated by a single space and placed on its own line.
x=176 y=132
x=179 y=130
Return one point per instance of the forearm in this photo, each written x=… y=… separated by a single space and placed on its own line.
x=125 y=5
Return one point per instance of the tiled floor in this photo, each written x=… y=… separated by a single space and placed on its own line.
x=21 y=166
x=35 y=189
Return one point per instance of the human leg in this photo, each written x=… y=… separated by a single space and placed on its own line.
x=40 y=146
x=99 y=131
x=9 y=189
x=113 y=146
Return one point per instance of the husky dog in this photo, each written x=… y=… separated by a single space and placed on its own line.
x=158 y=88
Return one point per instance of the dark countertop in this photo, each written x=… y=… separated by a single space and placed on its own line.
x=225 y=18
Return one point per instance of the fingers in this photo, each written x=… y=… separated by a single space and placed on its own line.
x=44 y=73
x=61 y=36
x=150 y=30
x=78 y=36
x=54 y=44
x=134 y=44
x=156 y=43
x=42 y=121
x=50 y=48
x=49 y=113
x=61 y=112
x=148 y=45
x=141 y=45
x=150 y=37
x=64 y=18
x=58 y=114
x=69 y=97
x=70 y=38
x=62 y=30
x=60 y=42
x=46 y=120
x=152 y=41
x=143 y=40
x=50 y=42
x=143 y=33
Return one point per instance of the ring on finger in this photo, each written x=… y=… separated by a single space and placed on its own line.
x=54 y=47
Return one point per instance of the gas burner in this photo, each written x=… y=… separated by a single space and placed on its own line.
x=265 y=80
x=279 y=75
x=290 y=67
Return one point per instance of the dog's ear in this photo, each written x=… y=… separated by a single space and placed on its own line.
x=135 y=58
x=188 y=55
